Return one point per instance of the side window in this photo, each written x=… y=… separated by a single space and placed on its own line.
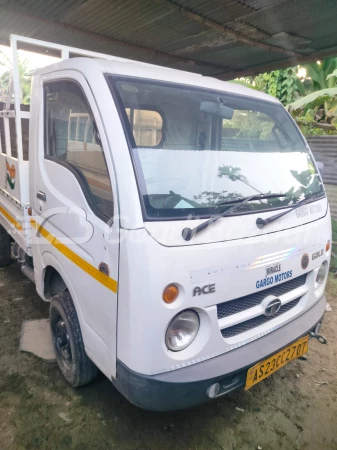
x=147 y=126
x=71 y=138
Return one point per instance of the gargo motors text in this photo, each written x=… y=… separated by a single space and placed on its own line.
x=268 y=281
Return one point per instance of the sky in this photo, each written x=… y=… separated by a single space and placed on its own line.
x=34 y=60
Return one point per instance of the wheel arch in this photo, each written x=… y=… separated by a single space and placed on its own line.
x=52 y=267
x=96 y=348
x=53 y=283
x=53 y=272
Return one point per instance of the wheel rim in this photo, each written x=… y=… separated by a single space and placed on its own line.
x=62 y=342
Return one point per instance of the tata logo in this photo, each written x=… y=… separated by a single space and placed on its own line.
x=272 y=307
x=208 y=289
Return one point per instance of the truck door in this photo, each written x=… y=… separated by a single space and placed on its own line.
x=73 y=197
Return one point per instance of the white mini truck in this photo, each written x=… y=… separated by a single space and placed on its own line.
x=177 y=225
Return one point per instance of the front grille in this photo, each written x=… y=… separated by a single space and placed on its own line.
x=249 y=301
x=256 y=321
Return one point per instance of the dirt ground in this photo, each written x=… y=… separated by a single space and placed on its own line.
x=38 y=410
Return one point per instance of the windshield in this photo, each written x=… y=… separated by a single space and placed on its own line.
x=196 y=151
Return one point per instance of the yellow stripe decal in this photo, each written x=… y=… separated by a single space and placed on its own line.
x=80 y=262
x=11 y=219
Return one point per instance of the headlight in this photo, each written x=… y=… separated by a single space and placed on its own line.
x=182 y=330
x=322 y=273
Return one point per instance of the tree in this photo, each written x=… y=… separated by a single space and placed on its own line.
x=318 y=108
x=312 y=101
x=320 y=75
x=283 y=84
x=25 y=78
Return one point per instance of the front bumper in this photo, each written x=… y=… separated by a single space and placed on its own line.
x=186 y=387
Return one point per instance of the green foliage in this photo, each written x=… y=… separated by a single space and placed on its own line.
x=249 y=124
x=316 y=111
x=282 y=84
x=25 y=78
x=321 y=75
x=332 y=75
x=313 y=100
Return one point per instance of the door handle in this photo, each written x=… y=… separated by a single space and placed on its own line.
x=41 y=196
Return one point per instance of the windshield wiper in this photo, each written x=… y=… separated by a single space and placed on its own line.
x=188 y=233
x=263 y=222
x=243 y=200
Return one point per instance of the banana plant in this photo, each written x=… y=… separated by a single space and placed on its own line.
x=321 y=75
x=314 y=99
x=318 y=109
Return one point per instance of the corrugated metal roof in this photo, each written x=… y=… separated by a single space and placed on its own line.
x=223 y=38
x=222 y=11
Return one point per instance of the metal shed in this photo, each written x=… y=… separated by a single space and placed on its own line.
x=219 y=38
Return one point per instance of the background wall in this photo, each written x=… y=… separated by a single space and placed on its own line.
x=324 y=149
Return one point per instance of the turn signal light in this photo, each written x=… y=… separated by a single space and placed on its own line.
x=327 y=247
x=170 y=293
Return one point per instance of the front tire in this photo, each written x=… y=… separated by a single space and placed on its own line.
x=67 y=339
x=5 y=247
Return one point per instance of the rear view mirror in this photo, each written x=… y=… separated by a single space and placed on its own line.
x=320 y=167
x=216 y=109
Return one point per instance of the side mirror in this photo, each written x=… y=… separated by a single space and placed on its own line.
x=320 y=167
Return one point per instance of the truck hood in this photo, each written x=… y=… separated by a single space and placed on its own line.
x=169 y=233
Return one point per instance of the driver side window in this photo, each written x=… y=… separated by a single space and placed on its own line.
x=71 y=139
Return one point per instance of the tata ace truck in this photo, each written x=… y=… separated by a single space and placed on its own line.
x=177 y=225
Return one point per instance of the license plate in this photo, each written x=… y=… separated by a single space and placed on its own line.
x=265 y=368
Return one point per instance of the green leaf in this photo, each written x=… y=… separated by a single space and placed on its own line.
x=310 y=115
x=314 y=99
x=329 y=65
x=332 y=112
x=333 y=74
x=300 y=86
